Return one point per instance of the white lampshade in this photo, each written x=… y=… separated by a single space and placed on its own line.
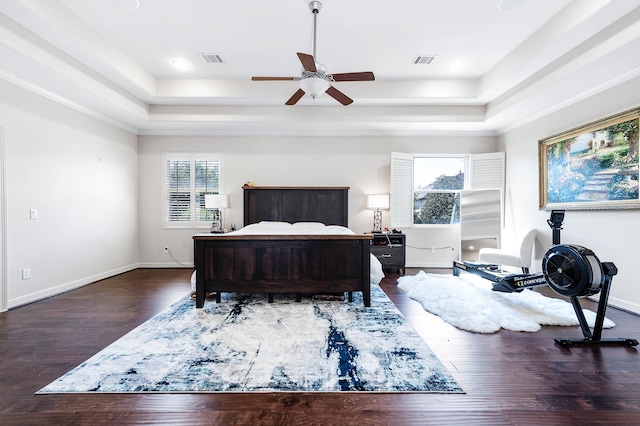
x=216 y=201
x=314 y=86
x=378 y=201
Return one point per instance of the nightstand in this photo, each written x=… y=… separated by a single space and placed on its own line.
x=390 y=249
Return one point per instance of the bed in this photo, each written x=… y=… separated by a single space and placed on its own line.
x=295 y=240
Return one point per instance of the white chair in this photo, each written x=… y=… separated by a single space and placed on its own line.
x=521 y=259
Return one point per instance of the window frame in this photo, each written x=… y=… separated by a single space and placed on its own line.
x=465 y=160
x=482 y=171
x=193 y=191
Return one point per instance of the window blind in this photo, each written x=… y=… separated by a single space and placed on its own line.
x=177 y=181
x=207 y=181
x=187 y=178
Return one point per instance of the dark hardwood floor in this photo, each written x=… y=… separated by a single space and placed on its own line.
x=509 y=377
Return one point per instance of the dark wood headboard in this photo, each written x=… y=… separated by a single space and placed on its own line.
x=328 y=205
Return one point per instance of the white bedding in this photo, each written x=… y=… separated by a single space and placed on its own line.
x=307 y=228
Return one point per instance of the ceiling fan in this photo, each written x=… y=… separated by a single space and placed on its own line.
x=314 y=79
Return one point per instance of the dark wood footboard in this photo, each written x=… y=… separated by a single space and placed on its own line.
x=281 y=264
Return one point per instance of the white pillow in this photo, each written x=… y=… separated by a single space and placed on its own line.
x=339 y=230
x=265 y=228
x=309 y=225
x=273 y=224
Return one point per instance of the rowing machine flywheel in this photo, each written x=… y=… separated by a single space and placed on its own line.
x=572 y=270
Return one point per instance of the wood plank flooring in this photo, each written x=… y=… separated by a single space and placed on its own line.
x=510 y=378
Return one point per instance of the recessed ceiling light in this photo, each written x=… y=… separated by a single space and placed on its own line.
x=180 y=64
x=456 y=66
x=128 y=4
x=506 y=5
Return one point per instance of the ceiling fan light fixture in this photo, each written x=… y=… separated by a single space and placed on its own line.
x=314 y=86
x=314 y=79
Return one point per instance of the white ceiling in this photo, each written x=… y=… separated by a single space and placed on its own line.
x=113 y=61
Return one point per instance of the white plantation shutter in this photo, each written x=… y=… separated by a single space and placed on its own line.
x=187 y=178
x=177 y=184
x=401 y=199
x=207 y=181
x=487 y=170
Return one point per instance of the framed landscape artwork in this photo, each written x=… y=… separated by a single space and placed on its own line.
x=594 y=166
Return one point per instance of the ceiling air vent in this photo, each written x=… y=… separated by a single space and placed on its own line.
x=212 y=58
x=424 y=59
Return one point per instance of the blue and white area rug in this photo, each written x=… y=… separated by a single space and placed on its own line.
x=246 y=344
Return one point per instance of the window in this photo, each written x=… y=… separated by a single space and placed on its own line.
x=187 y=179
x=437 y=182
x=425 y=190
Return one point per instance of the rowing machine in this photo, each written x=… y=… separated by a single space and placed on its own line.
x=570 y=270
x=574 y=271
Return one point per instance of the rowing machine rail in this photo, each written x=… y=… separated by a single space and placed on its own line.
x=504 y=283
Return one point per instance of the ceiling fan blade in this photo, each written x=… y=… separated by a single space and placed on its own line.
x=295 y=98
x=274 y=78
x=338 y=96
x=354 y=76
x=308 y=63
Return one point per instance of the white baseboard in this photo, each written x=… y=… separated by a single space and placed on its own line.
x=620 y=304
x=165 y=265
x=63 y=288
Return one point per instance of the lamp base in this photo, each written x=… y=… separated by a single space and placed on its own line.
x=377 y=221
x=216 y=225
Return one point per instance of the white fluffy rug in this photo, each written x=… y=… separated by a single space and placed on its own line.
x=468 y=303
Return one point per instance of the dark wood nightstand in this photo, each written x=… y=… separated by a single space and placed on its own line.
x=390 y=249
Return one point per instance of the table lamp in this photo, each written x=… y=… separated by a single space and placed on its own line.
x=216 y=202
x=377 y=202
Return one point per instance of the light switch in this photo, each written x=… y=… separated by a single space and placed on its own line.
x=33 y=213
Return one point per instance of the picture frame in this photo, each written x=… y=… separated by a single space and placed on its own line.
x=594 y=166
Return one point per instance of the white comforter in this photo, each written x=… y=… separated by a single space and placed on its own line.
x=307 y=228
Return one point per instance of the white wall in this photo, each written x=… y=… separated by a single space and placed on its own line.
x=362 y=163
x=81 y=176
x=3 y=224
x=99 y=201
x=613 y=235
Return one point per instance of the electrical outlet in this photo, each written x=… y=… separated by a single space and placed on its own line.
x=166 y=249
x=26 y=273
